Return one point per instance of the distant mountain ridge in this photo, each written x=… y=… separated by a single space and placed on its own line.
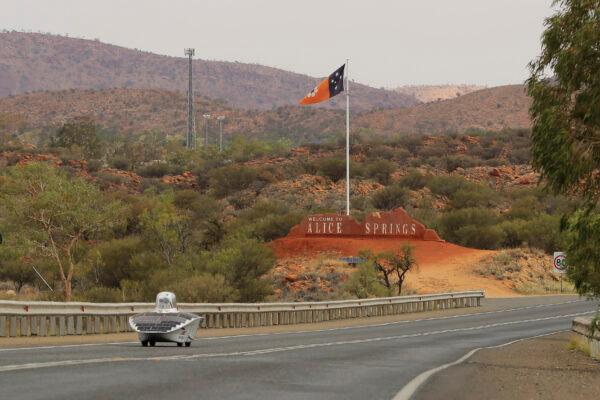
x=429 y=93
x=138 y=110
x=32 y=62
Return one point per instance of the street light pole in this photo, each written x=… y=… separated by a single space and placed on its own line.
x=220 y=118
x=206 y=122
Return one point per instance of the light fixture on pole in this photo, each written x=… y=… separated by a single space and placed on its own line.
x=206 y=122
x=190 y=140
x=220 y=118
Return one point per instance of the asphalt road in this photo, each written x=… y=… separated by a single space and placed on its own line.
x=359 y=362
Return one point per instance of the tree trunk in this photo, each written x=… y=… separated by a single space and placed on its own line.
x=67 y=289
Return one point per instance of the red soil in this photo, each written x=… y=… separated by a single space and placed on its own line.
x=426 y=252
x=441 y=266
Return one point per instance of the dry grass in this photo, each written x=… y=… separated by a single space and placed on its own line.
x=544 y=287
x=579 y=345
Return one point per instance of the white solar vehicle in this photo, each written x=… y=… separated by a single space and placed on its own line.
x=166 y=323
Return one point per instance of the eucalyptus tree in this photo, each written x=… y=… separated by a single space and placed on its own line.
x=55 y=216
x=565 y=89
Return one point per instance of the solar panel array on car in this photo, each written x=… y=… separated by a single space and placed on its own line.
x=162 y=323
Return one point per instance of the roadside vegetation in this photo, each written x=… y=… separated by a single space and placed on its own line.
x=109 y=216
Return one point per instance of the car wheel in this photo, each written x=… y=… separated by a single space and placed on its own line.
x=152 y=343
x=179 y=344
x=188 y=344
x=144 y=343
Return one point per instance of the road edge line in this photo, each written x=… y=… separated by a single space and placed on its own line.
x=411 y=387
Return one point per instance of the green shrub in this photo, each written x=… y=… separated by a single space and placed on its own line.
x=154 y=170
x=524 y=208
x=244 y=264
x=390 y=197
x=473 y=227
x=543 y=232
x=480 y=237
x=381 y=171
x=121 y=163
x=94 y=165
x=116 y=264
x=446 y=185
x=382 y=151
x=473 y=195
x=364 y=283
x=461 y=161
x=333 y=168
x=106 y=179
x=232 y=178
x=414 y=180
x=275 y=226
x=515 y=232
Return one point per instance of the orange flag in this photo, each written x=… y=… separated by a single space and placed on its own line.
x=329 y=87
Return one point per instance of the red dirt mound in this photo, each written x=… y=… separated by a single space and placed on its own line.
x=426 y=252
x=441 y=266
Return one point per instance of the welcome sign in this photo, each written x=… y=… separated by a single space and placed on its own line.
x=392 y=224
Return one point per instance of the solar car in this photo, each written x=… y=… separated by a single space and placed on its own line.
x=166 y=323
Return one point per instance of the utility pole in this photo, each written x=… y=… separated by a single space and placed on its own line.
x=206 y=123
x=190 y=141
x=220 y=118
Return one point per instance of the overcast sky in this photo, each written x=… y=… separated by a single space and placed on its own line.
x=389 y=42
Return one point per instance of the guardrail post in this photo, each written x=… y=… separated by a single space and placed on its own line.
x=61 y=325
x=79 y=325
x=3 y=332
x=97 y=324
x=52 y=325
x=70 y=325
x=123 y=323
x=42 y=326
x=35 y=325
x=23 y=325
x=13 y=326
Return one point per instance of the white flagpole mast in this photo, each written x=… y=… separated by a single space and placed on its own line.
x=347 y=140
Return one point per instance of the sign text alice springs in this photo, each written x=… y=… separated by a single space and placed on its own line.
x=396 y=223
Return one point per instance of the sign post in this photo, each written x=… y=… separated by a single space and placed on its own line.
x=560 y=266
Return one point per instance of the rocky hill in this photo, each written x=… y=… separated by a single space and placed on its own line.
x=429 y=93
x=33 y=62
x=490 y=109
x=138 y=110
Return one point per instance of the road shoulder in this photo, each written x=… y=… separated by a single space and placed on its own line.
x=541 y=368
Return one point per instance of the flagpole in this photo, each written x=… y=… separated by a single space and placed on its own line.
x=347 y=139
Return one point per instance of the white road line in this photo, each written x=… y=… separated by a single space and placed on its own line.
x=316 y=330
x=411 y=387
x=7 y=368
x=64 y=346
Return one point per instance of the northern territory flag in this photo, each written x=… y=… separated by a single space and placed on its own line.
x=329 y=87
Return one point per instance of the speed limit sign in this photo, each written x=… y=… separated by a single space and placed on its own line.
x=560 y=262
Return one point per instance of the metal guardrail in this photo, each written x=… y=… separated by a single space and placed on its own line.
x=36 y=318
x=582 y=334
